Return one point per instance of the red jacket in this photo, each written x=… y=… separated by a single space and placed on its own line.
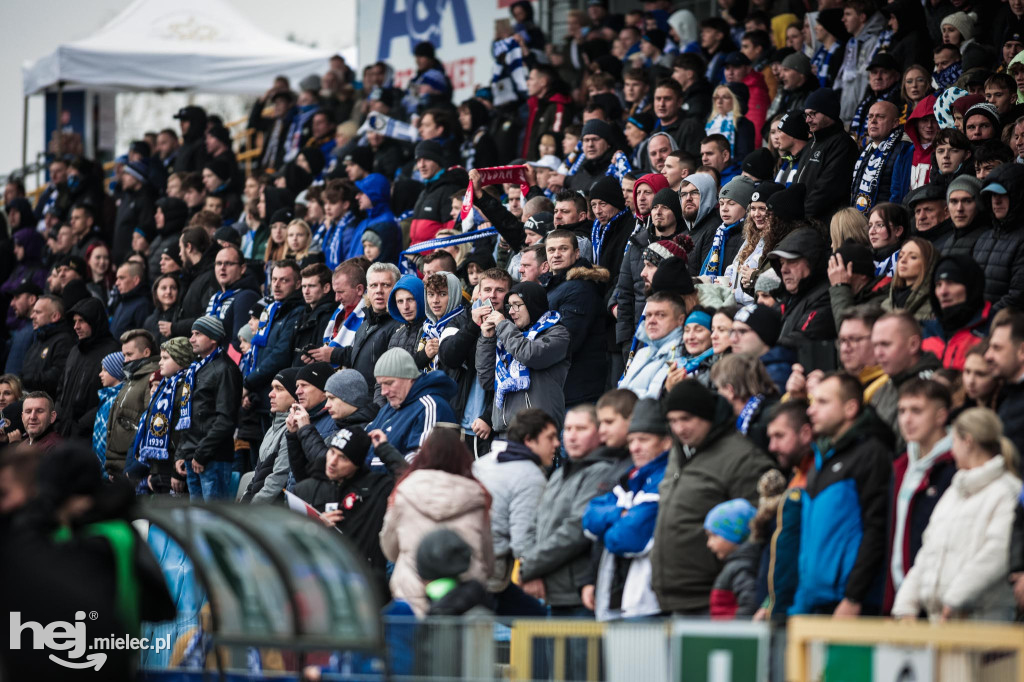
x=953 y=351
x=920 y=170
x=757 y=105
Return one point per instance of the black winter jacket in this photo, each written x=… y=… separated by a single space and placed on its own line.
x=964 y=238
x=47 y=357
x=578 y=295
x=826 y=167
x=216 y=398
x=364 y=499
x=589 y=172
x=806 y=314
x=309 y=330
x=198 y=285
x=77 y=399
x=1000 y=249
x=134 y=210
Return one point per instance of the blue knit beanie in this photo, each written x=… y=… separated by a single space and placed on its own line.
x=731 y=520
x=113 y=364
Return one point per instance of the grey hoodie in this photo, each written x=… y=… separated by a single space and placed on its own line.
x=641 y=152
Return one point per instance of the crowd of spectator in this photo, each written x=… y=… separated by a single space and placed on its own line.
x=714 y=318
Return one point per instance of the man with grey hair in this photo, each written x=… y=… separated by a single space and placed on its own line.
x=371 y=339
x=414 y=403
x=135 y=302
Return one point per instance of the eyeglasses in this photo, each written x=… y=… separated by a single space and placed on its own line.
x=694 y=194
x=850 y=340
x=739 y=332
x=810 y=114
x=513 y=307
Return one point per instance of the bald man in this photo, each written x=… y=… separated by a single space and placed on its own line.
x=882 y=171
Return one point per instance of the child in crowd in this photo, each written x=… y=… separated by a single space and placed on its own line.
x=111 y=376
x=734 y=593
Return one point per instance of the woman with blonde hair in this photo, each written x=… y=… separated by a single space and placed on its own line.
x=728 y=118
x=912 y=281
x=848 y=225
x=916 y=85
x=301 y=248
x=962 y=567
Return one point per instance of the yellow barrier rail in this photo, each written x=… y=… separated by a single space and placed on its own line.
x=945 y=638
x=526 y=631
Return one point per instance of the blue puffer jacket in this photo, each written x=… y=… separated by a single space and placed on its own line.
x=843 y=524
x=624 y=518
x=426 y=404
x=379 y=219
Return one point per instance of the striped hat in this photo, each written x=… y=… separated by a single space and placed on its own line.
x=659 y=251
x=113 y=364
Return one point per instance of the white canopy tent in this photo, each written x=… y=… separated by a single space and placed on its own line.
x=198 y=45
x=186 y=45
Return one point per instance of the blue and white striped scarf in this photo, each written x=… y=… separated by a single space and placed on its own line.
x=389 y=127
x=598 y=231
x=619 y=166
x=872 y=162
x=185 y=416
x=747 y=414
x=822 y=58
x=154 y=429
x=712 y=264
x=332 y=244
x=577 y=159
x=259 y=339
x=405 y=263
x=508 y=75
x=887 y=266
x=433 y=330
x=343 y=337
x=220 y=303
x=510 y=375
x=723 y=124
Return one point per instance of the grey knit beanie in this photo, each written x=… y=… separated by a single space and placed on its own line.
x=349 y=386
x=210 y=326
x=396 y=363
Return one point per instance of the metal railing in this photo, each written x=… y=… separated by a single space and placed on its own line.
x=668 y=650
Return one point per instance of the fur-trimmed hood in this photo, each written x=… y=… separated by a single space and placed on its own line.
x=589 y=273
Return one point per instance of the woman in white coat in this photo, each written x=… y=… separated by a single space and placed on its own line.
x=962 y=567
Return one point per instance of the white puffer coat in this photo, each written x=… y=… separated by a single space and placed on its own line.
x=964 y=558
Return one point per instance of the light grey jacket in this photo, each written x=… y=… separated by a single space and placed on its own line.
x=560 y=554
x=547 y=357
x=274 y=445
x=515 y=488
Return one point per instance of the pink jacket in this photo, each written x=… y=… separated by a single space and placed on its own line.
x=425 y=501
